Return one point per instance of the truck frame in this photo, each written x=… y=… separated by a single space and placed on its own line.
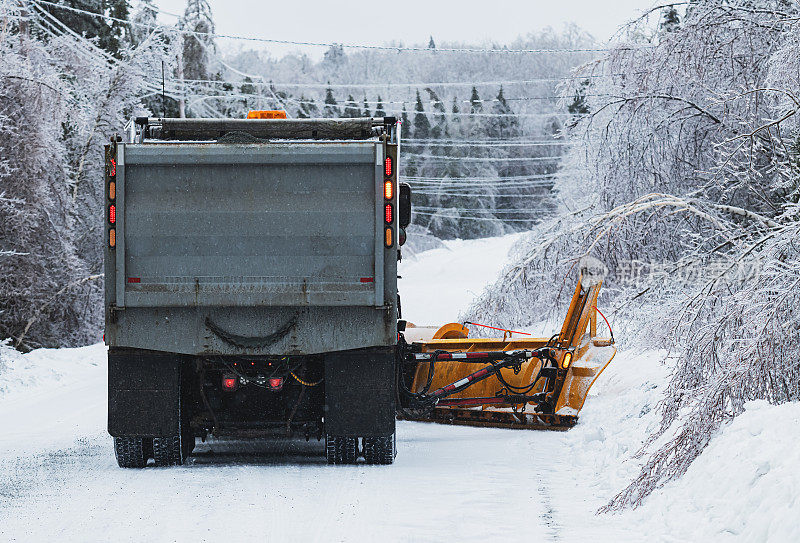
x=251 y=284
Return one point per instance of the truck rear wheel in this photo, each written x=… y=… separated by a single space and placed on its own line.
x=341 y=449
x=380 y=450
x=169 y=451
x=132 y=452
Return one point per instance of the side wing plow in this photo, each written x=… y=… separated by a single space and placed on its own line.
x=513 y=382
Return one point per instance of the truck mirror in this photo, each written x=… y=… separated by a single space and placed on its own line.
x=404 y=205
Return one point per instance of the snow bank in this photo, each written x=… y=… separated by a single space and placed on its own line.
x=42 y=369
x=744 y=486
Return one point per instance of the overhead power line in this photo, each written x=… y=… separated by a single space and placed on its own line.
x=508 y=82
x=466 y=218
x=474 y=193
x=474 y=209
x=485 y=159
x=503 y=145
x=343 y=45
x=359 y=102
x=423 y=179
x=520 y=139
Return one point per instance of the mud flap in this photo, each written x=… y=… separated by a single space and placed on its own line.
x=144 y=392
x=359 y=392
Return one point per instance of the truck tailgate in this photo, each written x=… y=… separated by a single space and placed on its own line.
x=249 y=225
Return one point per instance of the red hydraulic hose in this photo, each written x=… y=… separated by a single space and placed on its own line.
x=607 y=323
x=495 y=328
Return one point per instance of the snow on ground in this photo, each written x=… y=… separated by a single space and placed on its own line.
x=437 y=285
x=59 y=479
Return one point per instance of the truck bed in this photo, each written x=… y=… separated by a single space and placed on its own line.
x=251 y=236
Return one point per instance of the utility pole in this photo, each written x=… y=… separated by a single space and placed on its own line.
x=181 y=84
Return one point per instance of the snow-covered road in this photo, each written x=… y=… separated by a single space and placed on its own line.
x=448 y=483
x=59 y=479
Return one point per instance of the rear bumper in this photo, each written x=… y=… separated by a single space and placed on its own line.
x=257 y=331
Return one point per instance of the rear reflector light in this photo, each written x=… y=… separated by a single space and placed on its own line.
x=112 y=238
x=112 y=214
x=388 y=163
x=112 y=191
x=276 y=383
x=389 y=237
x=388 y=190
x=367 y=280
x=134 y=279
x=388 y=215
x=112 y=171
x=230 y=382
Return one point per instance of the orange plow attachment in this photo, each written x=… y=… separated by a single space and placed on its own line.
x=513 y=382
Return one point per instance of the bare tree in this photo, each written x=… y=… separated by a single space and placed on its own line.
x=688 y=167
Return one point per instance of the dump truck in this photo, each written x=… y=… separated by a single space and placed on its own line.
x=251 y=289
x=251 y=284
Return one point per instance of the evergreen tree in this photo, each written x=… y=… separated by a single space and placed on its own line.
x=456 y=110
x=110 y=35
x=308 y=108
x=366 y=112
x=146 y=15
x=440 y=115
x=351 y=110
x=475 y=102
x=379 y=111
x=579 y=105
x=331 y=109
x=196 y=47
x=335 y=55
x=82 y=24
x=431 y=44
x=405 y=124
x=247 y=86
x=116 y=34
x=670 y=20
x=422 y=127
x=505 y=125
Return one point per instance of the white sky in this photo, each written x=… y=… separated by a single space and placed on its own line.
x=411 y=21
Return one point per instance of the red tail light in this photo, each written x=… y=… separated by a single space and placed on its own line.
x=230 y=382
x=389 y=214
x=276 y=383
x=112 y=170
x=112 y=214
x=388 y=163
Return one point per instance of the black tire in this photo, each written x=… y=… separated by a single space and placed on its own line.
x=169 y=451
x=131 y=452
x=380 y=450
x=341 y=449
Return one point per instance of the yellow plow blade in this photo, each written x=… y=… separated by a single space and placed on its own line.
x=579 y=356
